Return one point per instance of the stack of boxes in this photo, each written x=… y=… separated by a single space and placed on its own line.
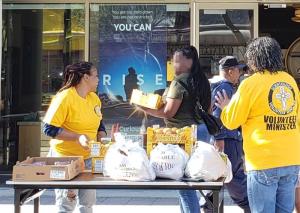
x=98 y=151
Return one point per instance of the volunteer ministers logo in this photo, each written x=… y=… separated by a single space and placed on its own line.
x=282 y=98
x=97 y=110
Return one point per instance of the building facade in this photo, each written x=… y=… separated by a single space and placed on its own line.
x=122 y=38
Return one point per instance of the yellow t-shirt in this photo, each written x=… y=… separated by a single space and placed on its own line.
x=74 y=113
x=267 y=107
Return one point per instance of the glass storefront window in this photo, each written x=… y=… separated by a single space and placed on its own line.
x=223 y=32
x=38 y=40
x=63 y=44
x=132 y=46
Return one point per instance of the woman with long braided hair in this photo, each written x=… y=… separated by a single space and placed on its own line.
x=72 y=120
x=197 y=80
x=178 y=110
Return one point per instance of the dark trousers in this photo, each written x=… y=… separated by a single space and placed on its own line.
x=237 y=187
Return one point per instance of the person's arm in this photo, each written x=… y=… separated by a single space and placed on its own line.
x=216 y=110
x=235 y=111
x=72 y=136
x=167 y=111
x=101 y=134
x=101 y=131
x=219 y=138
x=174 y=96
x=63 y=134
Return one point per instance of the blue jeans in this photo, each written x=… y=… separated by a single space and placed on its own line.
x=272 y=190
x=189 y=202
x=67 y=199
x=203 y=134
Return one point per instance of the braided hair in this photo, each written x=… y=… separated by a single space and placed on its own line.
x=74 y=72
x=197 y=80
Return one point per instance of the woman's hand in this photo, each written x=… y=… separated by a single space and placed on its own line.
x=84 y=142
x=222 y=99
x=168 y=110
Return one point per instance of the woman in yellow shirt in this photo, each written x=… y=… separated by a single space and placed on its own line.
x=267 y=107
x=72 y=120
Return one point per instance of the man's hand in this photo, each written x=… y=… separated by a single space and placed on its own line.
x=219 y=145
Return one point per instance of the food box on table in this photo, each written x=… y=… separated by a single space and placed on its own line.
x=98 y=151
x=48 y=168
x=185 y=137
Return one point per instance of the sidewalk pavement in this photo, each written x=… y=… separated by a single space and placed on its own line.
x=113 y=201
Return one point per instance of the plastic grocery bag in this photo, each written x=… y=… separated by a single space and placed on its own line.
x=126 y=160
x=228 y=173
x=168 y=161
x=208 y=164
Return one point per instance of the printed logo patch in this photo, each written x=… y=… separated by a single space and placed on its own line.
x=97 y=110
x=282 y=98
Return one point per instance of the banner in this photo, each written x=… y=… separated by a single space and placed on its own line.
x=133 y=55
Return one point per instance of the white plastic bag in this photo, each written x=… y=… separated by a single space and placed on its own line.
x=207 y=164
x=126 y=160
x=168 y=161
x=228 y=173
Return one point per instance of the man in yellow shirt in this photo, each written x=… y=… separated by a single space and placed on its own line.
x=266 y=106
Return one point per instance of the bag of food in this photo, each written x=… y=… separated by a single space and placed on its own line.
x=228 y=173
x=168 y=161
x=207 y=163
x=126 y=160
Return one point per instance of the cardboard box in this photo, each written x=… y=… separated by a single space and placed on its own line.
x=48 y=168
x=97 y=165
x=185 y=137
x=152 y=101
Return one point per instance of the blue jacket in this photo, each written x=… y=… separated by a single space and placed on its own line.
x=230 y=90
